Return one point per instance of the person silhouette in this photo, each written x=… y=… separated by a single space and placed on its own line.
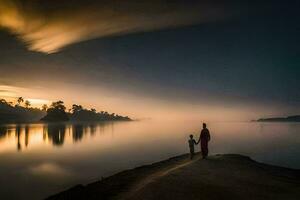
x=192 y=143
x=204 y=139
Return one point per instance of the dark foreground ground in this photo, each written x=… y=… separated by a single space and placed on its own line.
x=220 y=176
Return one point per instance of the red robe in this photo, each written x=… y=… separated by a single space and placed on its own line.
x=204 y=137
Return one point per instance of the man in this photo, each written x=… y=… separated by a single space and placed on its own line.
x=204 y=138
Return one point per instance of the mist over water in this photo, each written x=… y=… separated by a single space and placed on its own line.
x=54 y=157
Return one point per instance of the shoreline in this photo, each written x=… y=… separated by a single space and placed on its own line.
x=158 y=180
x=61 y=122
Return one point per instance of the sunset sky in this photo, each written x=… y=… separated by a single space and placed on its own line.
x=211 y=59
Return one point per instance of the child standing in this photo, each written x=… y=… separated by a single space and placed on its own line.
x=192 y=143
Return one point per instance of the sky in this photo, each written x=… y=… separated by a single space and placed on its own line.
x=206 y=60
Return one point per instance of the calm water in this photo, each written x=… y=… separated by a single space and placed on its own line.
x=37 y=160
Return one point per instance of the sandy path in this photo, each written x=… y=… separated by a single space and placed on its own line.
x=230 y=176
x=178 y=178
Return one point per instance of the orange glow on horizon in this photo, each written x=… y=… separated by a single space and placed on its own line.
x=136 y=107
x=38 y=102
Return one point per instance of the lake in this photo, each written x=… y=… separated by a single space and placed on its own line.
x=37 y=160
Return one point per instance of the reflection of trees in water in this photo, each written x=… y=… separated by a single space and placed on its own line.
x=18 y=135
x=17 y=130
x=101 y=125
x=44 y=132
x=56 y=133
x=26 y=135
x=93 y=129
x=3 y=131
x=8 y=130
x=107 y=127
x=77 y=132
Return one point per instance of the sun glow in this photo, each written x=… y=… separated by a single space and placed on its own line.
x=7 y=91
x=38 y=102
x=12 y=93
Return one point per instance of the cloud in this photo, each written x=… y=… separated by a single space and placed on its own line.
x=7 y=91
x=48 y=26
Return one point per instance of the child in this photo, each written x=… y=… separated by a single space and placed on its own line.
x=192 y=142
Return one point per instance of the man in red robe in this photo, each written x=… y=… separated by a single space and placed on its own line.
x=204 y=139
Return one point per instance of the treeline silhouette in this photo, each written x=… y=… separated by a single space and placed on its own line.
x=294 y=118
x=10 y=113
x=57 y=112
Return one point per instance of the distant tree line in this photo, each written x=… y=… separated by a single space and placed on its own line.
x=57 y=112
x=10 y=112
x=14 y=113
x=294 y=118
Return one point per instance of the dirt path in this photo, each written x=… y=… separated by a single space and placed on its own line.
x=140 y=185
x=226 y=176
x=218 y=177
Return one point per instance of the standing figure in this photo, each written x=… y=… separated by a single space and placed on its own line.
x=192 y=143
x=204 y=139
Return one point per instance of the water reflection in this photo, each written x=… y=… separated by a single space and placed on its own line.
x=3 y=132
x=18 y=134
x=93 y=129
x=54 y=134
x=77 y=132
x=55 y=156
